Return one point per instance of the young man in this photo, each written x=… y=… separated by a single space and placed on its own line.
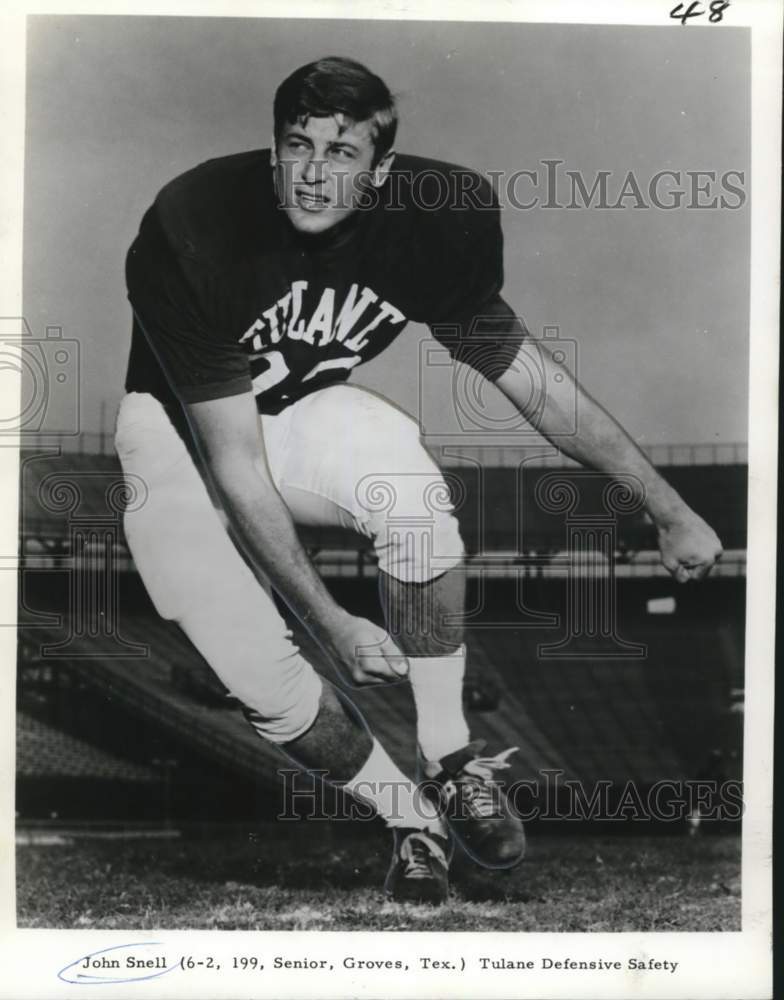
x=258 y=282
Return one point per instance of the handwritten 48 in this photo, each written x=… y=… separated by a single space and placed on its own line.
x=715 y=11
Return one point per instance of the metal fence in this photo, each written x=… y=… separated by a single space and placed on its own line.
x=490 y=456
x=510 y=456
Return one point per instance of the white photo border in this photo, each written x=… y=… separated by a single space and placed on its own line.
x=713 y=965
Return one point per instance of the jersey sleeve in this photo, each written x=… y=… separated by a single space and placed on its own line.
x=486 y=337
x=471 y=319
x=176 y=303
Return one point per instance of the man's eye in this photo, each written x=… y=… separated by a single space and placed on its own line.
x=295 y=145
x=344 y=154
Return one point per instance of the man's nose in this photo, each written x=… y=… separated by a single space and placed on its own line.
x=314 y=170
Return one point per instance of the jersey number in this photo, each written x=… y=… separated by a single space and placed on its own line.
x=278 y=370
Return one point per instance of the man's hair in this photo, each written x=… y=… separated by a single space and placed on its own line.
x=336 y=85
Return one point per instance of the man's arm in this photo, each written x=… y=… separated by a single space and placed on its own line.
x=229 y=434
x=689 y=547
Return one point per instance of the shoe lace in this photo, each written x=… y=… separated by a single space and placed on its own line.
x=478 y=784
x=416 y=850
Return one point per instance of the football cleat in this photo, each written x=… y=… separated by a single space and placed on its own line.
x=419 y=870
x=469 y=797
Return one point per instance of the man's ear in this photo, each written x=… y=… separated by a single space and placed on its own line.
x=382 y=168
x=273 y=153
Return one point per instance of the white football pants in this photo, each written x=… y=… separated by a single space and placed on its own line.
x=341 y=456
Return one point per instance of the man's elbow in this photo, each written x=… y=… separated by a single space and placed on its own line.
x=239 y=476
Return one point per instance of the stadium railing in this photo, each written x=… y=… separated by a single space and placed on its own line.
x=499 y=456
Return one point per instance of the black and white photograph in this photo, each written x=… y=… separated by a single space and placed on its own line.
x=388 y=418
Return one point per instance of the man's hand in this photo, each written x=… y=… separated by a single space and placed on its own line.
x=689 y=547
x=364 y=652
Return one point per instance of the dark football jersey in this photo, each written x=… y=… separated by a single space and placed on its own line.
x=228 y=297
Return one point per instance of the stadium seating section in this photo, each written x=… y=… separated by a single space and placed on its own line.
x=592 y=718
x=45 y=751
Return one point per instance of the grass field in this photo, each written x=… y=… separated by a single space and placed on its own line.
x=297 y=877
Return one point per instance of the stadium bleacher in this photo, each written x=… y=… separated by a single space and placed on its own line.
x=593 y=718
x=498 y=507
x=43 y=751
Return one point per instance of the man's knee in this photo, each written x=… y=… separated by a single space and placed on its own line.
x=412 y=520
x=282 y=704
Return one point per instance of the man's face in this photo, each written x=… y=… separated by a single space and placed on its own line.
x=322 y=167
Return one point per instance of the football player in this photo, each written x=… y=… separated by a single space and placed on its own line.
x=258 y=282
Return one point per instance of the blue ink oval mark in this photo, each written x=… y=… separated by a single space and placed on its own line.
x=93 y=977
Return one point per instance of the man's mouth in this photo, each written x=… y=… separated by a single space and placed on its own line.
x=310 y=201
